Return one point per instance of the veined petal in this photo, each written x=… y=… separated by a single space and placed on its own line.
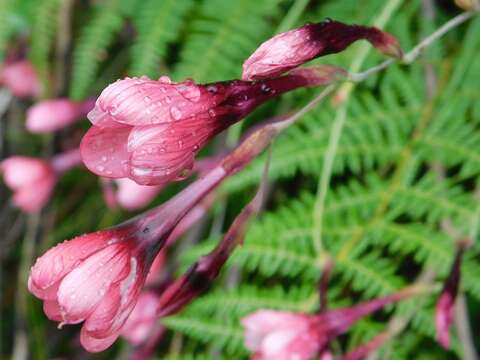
x=141 y=101
x=50 y=268
x=86 y=285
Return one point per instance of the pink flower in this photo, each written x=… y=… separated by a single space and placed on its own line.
x=277 y=335
x=32 y=180
x=444 y=310
x=150 y=131
x=143 y=318
x=51 y=115
x=290 y=49
x=131 y=196
x=20 y=78
x=95 y=278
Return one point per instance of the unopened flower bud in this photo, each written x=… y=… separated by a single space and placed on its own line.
x=290 y=49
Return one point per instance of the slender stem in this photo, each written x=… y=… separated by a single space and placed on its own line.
x=336 y=131
x=412 y=55
x=464 y=332
x=292 y=16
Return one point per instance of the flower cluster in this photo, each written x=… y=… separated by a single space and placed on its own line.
x=150 y=131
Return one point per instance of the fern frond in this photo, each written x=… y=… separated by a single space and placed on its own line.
x=222 y=35
x=43 y=35
x=90 y=51
x=159 y=24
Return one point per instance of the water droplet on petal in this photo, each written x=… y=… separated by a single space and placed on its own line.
x=100 y=168
x=195 y=147
x=180 y=144
x=104 y=158
x=212 y=113
x=165 y=79
x=138 y=171
x=212 y=89
x=147 y=99
x=265 y=88
x=168 y=99
x=176 y=113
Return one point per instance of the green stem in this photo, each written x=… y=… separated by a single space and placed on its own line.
x=337 y=127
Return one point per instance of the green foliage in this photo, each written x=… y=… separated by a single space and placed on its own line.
x=406 y=169
x=92 y=45
x=43 y=36
x=159 y=24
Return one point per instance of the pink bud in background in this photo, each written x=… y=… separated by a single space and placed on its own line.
x=275 y=335
x=155 y=141
x=32 y=180
x=143 y=318
x=445 y=308
x=20 y=78
x=131 y=196
x=278 y=335
x=51 y=115
x=290 y=49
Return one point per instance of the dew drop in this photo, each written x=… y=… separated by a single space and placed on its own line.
x=180 y=144
x=212 y=113
x=165 y=79
x=265 y=88
x=138 y=171
x=195 y=147
x=176 y=113
x=168 y=99
x=104 y=158
x=212 y=89
x=147 y=99
x=100 y=168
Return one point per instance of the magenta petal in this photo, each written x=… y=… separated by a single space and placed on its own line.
x=104 y=150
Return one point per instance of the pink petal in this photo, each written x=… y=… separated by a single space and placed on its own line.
x=61 y=259
x=162 y=154
x=143 y=101
x=85 y=286
x=102 y=317
x=104 y=150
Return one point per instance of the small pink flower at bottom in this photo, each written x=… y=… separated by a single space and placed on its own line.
x=143 y=318
x=51 y=115
x=20 y=78
x=277 y=335
x=274 y=335
x=32 y=180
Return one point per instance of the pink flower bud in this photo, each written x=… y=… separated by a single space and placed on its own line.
x=50 y=115
x=154 y=142
x=143 y=318
x=131 y=196
x=286 y=335
x=445 y=308
x=290 y=49
x=20 y=78
x=32 y=180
